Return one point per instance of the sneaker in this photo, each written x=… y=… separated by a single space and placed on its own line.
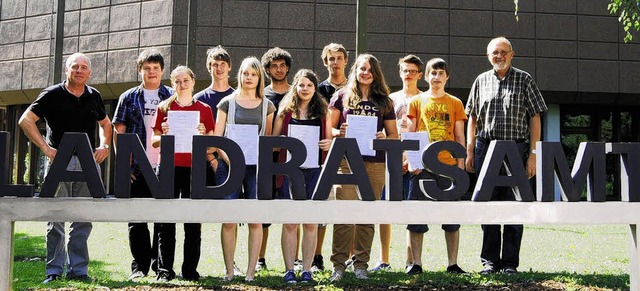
x=136 y=275
x=318 y=263
x=488 y=270
x=349 y=262
x=236 y=270
x=361 y=274
x=297 y=265
x=249 y=279
x=51 y=278
x=164 y=277
x=227 y=279
x=381 y=267
x=414 y=270
x=290 y=277
x=510 y=271
x=455 y=269
x=306 y=277
x=261 y=265
x=336 y=275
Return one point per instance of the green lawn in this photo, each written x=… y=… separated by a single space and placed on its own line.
x=572 y=256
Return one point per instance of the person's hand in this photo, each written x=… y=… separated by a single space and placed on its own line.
x=325 y=144
x=165 y=128
x=50 y=153
x=214 y=164
x=380 y=135
x=100 y=154
x=133 y=177
x=417 y=171
x=469 y=163
x=531 y=166
x=405 y=166
x=201 y=129
x=343 y=129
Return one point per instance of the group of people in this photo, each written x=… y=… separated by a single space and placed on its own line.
x=504 y=104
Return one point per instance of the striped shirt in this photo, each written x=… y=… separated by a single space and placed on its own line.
x=503 y=108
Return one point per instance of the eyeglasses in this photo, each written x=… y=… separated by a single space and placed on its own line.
x=502 y=53
x=410 y=72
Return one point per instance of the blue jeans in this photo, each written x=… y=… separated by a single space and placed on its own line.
x=248 y=189
x=75 y=253
x=311 y=177
x=406 y=177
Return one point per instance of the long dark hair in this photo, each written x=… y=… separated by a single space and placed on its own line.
x=291 y=101
x=378 y=92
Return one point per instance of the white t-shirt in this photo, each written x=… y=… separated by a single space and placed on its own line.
x=401 y=107
x=151 y=101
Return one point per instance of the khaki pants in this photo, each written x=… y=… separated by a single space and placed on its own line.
x=358 y=235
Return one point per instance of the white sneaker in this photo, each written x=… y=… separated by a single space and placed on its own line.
x=361 y=274
x=236 y=270
x=336 y=275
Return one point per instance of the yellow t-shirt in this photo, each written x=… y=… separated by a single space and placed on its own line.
x=438 y=117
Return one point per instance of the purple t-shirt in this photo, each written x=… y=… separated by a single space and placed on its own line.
x=366 y=108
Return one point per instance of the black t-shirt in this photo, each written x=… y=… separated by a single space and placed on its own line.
x=274 y=97
x=64 y=112
x=326 y=90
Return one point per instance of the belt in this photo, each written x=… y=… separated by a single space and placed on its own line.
x=486 y=140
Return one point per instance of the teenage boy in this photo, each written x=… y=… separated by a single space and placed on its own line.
x=334 y=58
x=410 y=73
x=219 y=66
x=443 y=117
x=134 y=114
x=277 y=64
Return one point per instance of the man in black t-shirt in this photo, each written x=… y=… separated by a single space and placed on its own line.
x=70 y=106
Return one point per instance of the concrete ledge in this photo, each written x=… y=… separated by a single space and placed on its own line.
x=334 y=211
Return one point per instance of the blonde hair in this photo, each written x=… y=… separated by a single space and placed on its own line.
x=253 y=64
x=378 y=92
x=164 y=105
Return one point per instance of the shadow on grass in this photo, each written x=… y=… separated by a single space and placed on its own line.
x=29 y=257
x=29 y=267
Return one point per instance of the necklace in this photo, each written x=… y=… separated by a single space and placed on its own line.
x=338 y=85
x=181 y=105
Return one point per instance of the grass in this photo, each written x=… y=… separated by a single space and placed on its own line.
x=571 y=257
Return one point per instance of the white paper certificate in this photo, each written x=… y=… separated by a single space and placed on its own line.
x=309 y=135
x=183 y=125
x=246 y=136
x=363 y=129
x=415 y=157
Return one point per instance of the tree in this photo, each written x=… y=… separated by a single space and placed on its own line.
x=629 y=11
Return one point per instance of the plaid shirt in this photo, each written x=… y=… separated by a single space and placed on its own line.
x=503 y=108
x=130 y=112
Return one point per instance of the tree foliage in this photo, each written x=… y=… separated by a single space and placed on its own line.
x=629 y=15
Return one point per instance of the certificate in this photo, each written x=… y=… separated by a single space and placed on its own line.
x=415 y=157
x=183 y=125
x=309 y=135
x=246 y=136
x=363 y=129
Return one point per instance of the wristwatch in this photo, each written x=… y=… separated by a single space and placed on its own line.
x=106 y=146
